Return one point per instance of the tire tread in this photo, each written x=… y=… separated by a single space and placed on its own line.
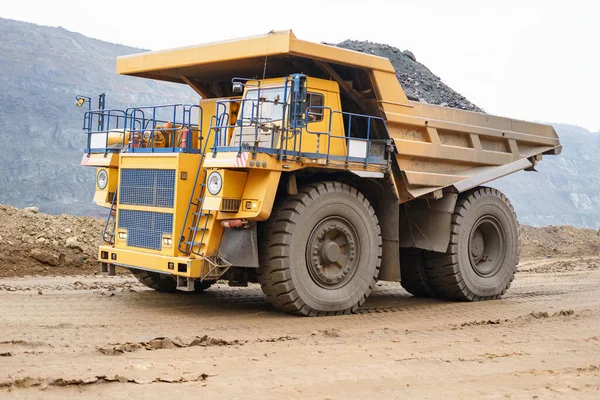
x=443 y=269
x=274 y=254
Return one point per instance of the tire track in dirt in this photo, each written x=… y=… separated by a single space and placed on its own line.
x=44 y=383
x=133 y=343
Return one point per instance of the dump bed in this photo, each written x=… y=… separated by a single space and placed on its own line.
x=435 y=147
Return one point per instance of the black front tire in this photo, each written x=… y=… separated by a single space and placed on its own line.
x=321 y=251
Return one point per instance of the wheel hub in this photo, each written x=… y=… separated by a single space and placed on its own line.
x=332 y=252
x=487 y=246
x=477 y=246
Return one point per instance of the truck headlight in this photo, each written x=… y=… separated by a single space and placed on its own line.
x=102 y=179
x=215 y=183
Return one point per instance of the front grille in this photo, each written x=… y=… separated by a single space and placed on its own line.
x=230 y=205
x=147 y=187
x=145 y=228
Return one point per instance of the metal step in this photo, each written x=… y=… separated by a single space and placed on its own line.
x=197 y=229
x=185 y=284
x=108 y=269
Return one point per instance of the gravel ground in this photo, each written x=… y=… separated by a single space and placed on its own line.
x=108 y=337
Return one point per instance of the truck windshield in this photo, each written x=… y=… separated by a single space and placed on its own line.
x=269 y=109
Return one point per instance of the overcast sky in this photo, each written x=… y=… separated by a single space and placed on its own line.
x=526 y=59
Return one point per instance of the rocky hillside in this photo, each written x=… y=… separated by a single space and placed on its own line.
x=566 y=188
x=42 y=69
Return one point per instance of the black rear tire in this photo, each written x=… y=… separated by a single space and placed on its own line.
x=413 y=274
x=483 y=251
x=324 y=251
x=163 y=282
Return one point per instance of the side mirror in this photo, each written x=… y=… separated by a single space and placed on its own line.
x=238 y=87
x=297 y=101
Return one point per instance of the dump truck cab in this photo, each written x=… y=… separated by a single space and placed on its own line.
x=305 y=168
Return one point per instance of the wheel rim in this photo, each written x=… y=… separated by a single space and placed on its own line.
x=332 y=252
x=487 y=246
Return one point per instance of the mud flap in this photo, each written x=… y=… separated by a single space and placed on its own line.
x=425 y=224
x=239 y=246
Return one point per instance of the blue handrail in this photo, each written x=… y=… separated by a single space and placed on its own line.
x=348 y=136
x=291 y=138
x=221 y=123
x=142 y=123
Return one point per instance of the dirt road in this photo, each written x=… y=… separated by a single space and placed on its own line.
x=94 y=336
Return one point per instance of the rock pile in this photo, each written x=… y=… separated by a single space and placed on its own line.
x=559 y=241
x=32 y=243
x=418 y=82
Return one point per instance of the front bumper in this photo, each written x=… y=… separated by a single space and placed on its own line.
x=179 y=266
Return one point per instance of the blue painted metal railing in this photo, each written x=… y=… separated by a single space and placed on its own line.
x=154 y=121
x=368 y=120
x=220 y=122
x=358 y=127
x=172 y=128
x=113 y=120
x=138 y=129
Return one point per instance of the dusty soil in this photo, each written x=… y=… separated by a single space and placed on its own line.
x=95 y=336
x=552 y=241
x=66 y=332
x=68 y=244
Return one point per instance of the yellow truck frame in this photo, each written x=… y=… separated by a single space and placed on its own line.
x=305 y=168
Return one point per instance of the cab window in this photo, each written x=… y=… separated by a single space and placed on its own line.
x=315 y=100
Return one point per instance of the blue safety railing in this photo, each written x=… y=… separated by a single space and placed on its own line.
x=367 y=121
x=163 y=128
x=221 y=123
x=99 y=124
x=262 y=124
x=287 y=134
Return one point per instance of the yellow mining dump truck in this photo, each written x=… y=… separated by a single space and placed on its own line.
x=305 y=168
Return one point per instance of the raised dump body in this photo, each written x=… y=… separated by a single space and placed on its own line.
x=305 y=167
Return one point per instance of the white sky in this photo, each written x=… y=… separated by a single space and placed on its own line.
x=527 y=59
